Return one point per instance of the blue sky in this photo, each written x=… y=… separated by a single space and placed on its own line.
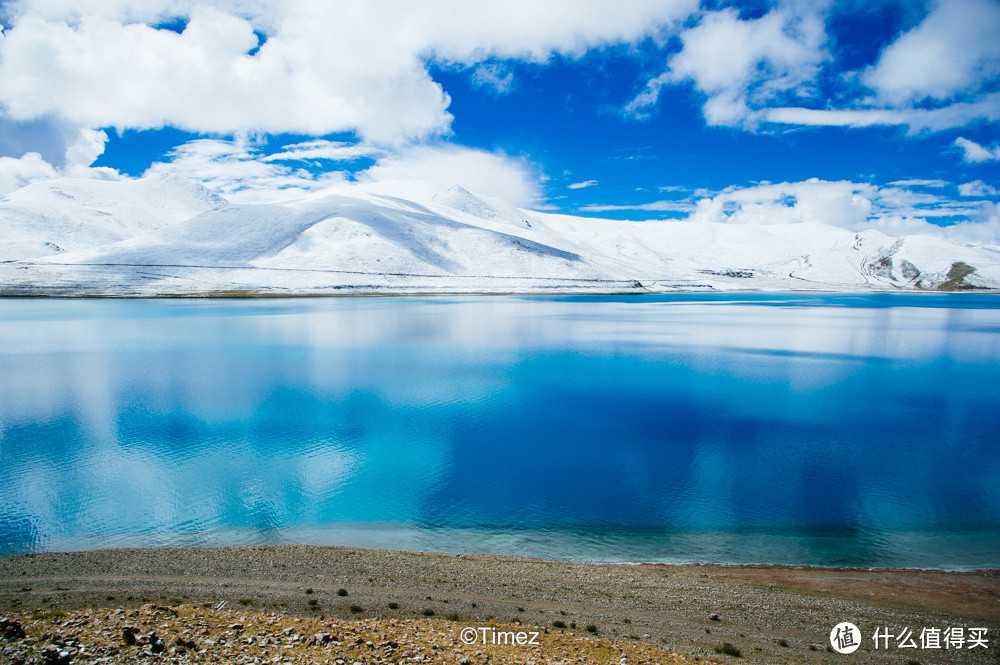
x=876 y=114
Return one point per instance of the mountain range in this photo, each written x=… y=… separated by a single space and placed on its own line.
x=164 y=235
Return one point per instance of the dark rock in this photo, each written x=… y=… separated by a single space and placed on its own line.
x=955 y=279
x=53 y=655
x=128 y=635
x=910 y=271
x=10 y=629
x=715 y=617
x=187 y=644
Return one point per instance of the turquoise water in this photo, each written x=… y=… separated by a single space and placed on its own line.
x=820 y=429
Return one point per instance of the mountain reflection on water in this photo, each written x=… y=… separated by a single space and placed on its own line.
x=813 y=428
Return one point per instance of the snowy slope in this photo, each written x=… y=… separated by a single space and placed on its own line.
x=69 y=214
x=165 y=235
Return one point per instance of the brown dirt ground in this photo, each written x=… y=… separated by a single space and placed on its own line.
x=771 y=614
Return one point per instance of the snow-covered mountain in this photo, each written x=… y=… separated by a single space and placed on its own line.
x=169 y=236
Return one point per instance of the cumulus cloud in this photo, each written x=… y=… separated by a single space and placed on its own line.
x=496 y=174
x=973 y=153
x=939 y=75
x=244 y=172
x=954 y=50
x=241 y=172
x=740 y=65
x=582 y=185
x=838 y=203
x=321 y=68
x=29 y=168
x=902 y=207
x=977 y=188
x=32 y=167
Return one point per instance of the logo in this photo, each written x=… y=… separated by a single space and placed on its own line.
x=490 y=635
x=845 y=637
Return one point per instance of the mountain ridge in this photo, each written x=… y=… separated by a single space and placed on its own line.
x=165 y=235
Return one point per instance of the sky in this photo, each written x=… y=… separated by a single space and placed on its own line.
x=861 y=113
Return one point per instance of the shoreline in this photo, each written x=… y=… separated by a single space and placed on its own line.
x=857 y=568
x=772 y=613
x=253 y=294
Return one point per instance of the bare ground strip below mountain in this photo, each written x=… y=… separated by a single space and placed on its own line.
x=770 y=614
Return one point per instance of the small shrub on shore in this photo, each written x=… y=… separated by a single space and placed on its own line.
x=782 y=643
x=309 y=590
x=728 y=649
x=51 y=614
x=591 y=628
x=558 y=624
x=313 y=602
x=356 y=609
x=341 y=592
x=428 y=612
x=451 y=616
x=393 y=606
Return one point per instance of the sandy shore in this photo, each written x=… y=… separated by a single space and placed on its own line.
x=644 y=613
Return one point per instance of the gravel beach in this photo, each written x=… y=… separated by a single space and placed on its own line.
x=597 y=613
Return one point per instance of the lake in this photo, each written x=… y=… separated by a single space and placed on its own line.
x=803 y=429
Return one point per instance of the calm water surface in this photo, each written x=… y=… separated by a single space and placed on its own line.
x=823 y=429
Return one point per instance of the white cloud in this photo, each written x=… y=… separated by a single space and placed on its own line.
x=640 y=107
x=840 y=203
x=88 y=146
x=935 y=77
x=895 y=209
x=337 y=151
x=959 y=114
x=954 y=50
x=932 y=78
x=324 y=67
x=917 y=182
x=242 y=172
x=977 y=188
x=973 y=153
x=582 y=185
x=654 y=206
x=741 y=65
x=239 y=171
x=512 y=179
x=16 y=173
x=32 y=167
x=494 y=77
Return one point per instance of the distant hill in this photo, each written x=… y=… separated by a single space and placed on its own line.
x=168 y=236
